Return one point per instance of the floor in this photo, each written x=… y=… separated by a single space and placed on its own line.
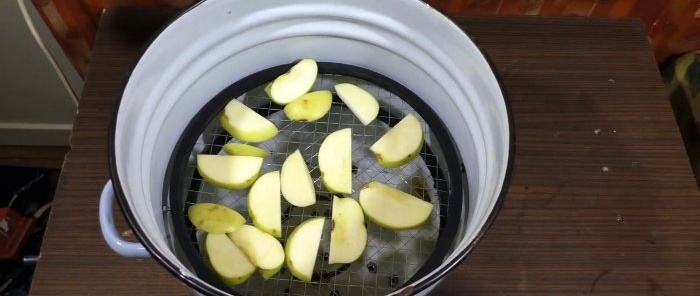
x=27 y=187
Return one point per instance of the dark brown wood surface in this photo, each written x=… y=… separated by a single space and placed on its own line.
x=602 y=201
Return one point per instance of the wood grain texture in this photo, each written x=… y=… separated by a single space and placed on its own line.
x=602 y=201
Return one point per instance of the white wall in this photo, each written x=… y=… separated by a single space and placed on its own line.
x=38 y=87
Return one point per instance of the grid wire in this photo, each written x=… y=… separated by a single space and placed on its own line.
x=391 y=257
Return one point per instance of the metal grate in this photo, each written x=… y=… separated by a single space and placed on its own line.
x=391 y=257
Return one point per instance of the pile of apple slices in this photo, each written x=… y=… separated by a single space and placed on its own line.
x=236 y=250
x=241 y=167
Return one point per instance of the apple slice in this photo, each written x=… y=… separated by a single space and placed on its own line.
x=246 y=124
x=293 y=84
x=335 y=161
x=268 y=273
x=229 y=171
x=263 y=250
x=361 y=103
x=264 y=205
x=214 y=218
x=227 y=260
x=392 y=208
x=309 y=107
x=302 y=247
x=297 y=185
x=243 y=150
x=348 y=233
x=400 y=144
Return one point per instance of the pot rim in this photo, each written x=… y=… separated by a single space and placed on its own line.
x=202 y=287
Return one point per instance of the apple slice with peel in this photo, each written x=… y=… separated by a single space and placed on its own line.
x=214 y=218
x=302 y=247
x=229 y=171
x=227 y=260
x=361 y=103
x=263 y=250
x=264 y=205
x=246 y=124
x=400 y=144
x=297 y=185
x=243 y=150
x=268 y=273
x=348 y=231
x=335 y=161
x=293 y=84
x=309 y=107
x=393 y=209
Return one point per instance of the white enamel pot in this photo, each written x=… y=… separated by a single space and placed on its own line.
x=217 y=42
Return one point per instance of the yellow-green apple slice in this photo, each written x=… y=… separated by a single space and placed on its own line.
x=244 y=150
x=264 y=204
x=348 y=232
x=227 y=260
x=361 y=103
x=293 y=84
x=263 y=250
x=302 y=247
x=309 y=107
x=229 y=171
x=393 y=209
x=297 y=185
x=214 y=218
x=400 y=144
x=268 y=273
x=246 y=124
x=335 y=161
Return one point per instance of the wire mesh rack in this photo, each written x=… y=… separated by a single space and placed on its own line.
x=391 y=257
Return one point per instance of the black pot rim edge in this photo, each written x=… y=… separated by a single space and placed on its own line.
x=174 y=270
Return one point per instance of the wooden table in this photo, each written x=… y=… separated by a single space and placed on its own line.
x=602 y=200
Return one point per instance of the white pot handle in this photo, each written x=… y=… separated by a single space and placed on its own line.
x=109 y=230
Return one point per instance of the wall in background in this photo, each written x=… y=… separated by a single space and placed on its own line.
x=74 y=22
x=39 y=85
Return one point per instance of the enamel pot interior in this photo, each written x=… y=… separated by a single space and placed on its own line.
x=218 y=42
